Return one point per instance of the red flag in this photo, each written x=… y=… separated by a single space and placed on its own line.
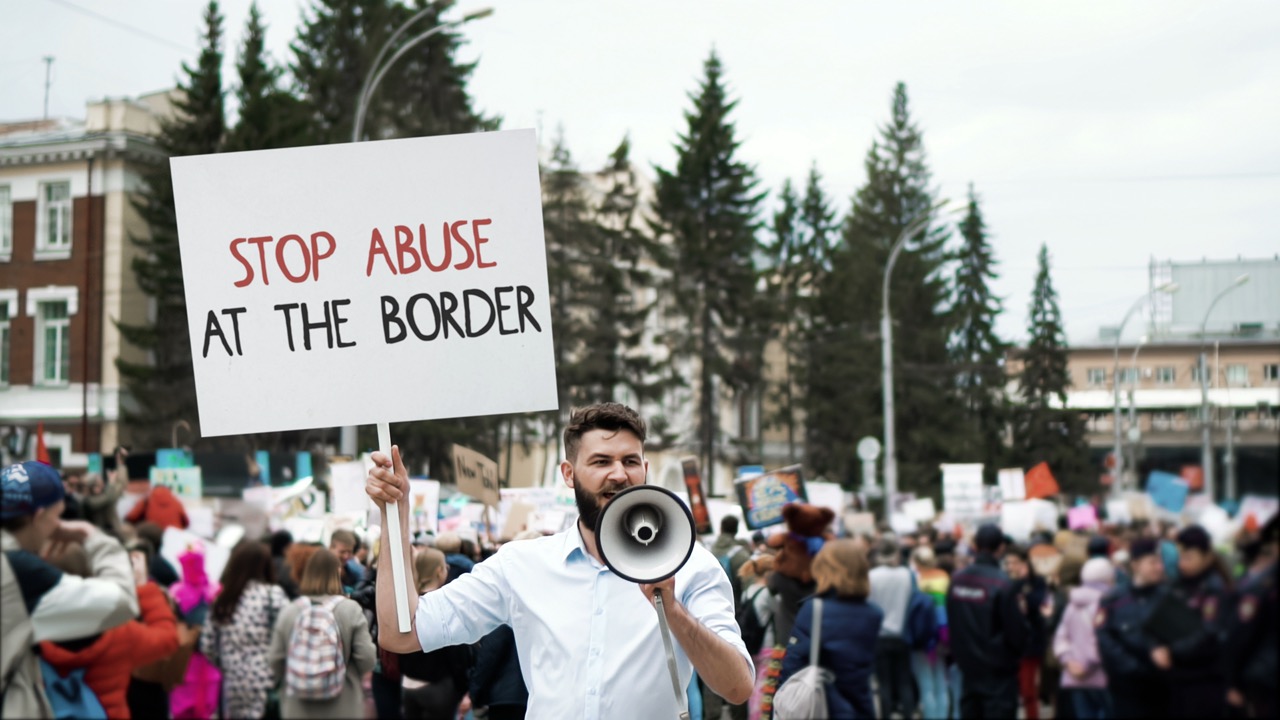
x=1040 y=482
x=42 y=452
x=1194 y=475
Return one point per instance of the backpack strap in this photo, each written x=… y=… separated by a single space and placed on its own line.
x=752 y=603
x=816 y=644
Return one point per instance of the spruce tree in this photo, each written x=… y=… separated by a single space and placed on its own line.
x=163 y=391
x=1044 y=429
x=268 y=117
x=977 y=351
x=707 y=206
x=844 y=388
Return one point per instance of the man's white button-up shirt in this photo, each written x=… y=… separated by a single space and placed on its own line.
x=589 y=642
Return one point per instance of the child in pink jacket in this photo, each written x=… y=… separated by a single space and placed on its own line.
x=1076 y=646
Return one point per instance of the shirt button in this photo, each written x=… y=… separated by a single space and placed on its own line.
x=595 y=651
x=592 y=691
x=600 y=611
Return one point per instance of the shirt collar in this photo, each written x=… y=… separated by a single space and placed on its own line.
x=573 y=543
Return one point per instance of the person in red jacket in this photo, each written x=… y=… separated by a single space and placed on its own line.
x=161 y=507
x=110 y=658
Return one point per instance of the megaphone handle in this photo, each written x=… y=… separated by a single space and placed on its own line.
x=671 y=655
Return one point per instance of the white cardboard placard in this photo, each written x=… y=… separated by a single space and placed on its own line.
x=962 y=493
x=1013 y=484
x=340 y=231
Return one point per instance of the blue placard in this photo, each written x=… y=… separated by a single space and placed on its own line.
x=303 y=465
x=1167 y=490
x=95 y=464
x=168 y=458
x=263 y=458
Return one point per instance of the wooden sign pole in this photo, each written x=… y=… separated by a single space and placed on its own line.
x=391 y=525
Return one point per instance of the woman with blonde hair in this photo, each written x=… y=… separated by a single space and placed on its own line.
x=850 y=628
x=321 y=584
x=433 y=683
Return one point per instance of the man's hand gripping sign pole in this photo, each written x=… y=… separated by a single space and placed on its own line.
x=366 y=283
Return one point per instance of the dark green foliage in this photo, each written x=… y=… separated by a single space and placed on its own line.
x=976 y=350
x=844 y=391
x=707 y=206
x=1041 y=431
x=163 y=391
x=268 y=117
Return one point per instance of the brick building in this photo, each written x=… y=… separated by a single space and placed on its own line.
x=65 y=272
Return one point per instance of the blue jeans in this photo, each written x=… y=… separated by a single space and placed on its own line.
x=953 y=689
x=932 y=680
x=1091 y=703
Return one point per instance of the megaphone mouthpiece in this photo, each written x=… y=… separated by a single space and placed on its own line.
x=643 y=524
x=645 y=534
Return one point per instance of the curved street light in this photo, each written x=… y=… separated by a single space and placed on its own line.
x=886 y=351
x=1206 y=429
x=379 y=69
x=1118 y=451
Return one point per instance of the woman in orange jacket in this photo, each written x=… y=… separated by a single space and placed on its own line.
x=110 y=658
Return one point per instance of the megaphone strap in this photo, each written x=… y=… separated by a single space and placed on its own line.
x=671 y=655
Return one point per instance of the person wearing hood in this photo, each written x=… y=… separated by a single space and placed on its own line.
x=110 y=658
x=197 y=696
x=1076 y=646
x=41 y=602
x=161 y=507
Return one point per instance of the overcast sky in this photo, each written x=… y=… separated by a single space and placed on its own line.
x=1115 y=132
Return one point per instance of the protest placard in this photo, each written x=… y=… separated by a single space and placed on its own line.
x=827 y=495
x=346 y=487
x=476 y=475
x=1167 y=491
x=1082 y=517
x=424 y=506
x=920 y=510
x=697 y=498
x=763 y=497
x=418 y=292
x=185 y=482
x=962 y=494
x=1012 y=483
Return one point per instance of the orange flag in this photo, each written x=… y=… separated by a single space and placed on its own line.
x=1040 y=482
x=42 y=452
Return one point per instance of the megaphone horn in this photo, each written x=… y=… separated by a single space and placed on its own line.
x=645 y=534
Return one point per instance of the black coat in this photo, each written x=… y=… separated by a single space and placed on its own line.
x=989 y=630
x=495 y=676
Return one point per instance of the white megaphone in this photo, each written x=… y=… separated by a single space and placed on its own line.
x=646 y=534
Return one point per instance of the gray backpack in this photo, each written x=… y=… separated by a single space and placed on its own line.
x=804 y=695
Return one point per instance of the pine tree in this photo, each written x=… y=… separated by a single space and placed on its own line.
x=707 y=206
x=976 y=350
x=423 y=93
x=844 y=388
x=268 y=117
x=1044 y=429
x=164 y=389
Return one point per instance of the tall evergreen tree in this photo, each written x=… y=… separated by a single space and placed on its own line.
x=707 y=206
x=844 y=384
x=1044 y=429
x=424 y=93
x=164 y=389
x=977 y=351
x=268 y=117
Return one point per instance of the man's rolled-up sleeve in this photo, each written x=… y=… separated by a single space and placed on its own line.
x=466 y=609
x=708 y=597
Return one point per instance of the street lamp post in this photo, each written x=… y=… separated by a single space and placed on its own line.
x=1206 y=428
x=886 y=353
x=377 y=70
x=1117 y=452
x=1134 y=433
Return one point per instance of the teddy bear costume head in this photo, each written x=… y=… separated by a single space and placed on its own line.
x=807 y=529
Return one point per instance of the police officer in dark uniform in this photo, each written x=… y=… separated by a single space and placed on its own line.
x=1252 y=641
x=1135 y=664
x=989 y=631
x=1198 y=688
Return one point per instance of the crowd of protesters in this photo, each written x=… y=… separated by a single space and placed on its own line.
x=1135 y=620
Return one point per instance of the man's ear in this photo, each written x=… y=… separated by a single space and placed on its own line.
x=566 y=471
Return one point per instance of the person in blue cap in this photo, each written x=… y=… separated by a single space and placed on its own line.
x=37 y=601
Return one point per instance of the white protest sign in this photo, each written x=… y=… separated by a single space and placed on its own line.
x=346 y=487
x=827 y=495
x=1017 y=519
x=962 y=494
x=1013 y=484
x=186 y=483
x=424 y=506
x=920 y=510
x=366 y=283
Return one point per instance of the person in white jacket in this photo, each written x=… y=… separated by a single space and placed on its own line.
x=39 y=602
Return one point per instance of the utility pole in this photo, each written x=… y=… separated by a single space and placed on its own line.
x=48 y=75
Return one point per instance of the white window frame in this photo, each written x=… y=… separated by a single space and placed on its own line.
x=1271 y=372
x=1096 y=377
x=58 y=250
x=1127 y=376
x=9 y=299
x=1237 y=368
x=35 y=298
x=1166 y=375
x=6 y=223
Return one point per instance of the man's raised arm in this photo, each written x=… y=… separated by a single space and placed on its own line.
x=389 y=482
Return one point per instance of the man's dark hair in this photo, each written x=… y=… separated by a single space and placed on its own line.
x=280 y=541
x=346 y=537
x=729 y=524
x=988 y=539
x=610 y=416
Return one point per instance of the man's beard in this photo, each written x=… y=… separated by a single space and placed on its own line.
x=591 y=505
